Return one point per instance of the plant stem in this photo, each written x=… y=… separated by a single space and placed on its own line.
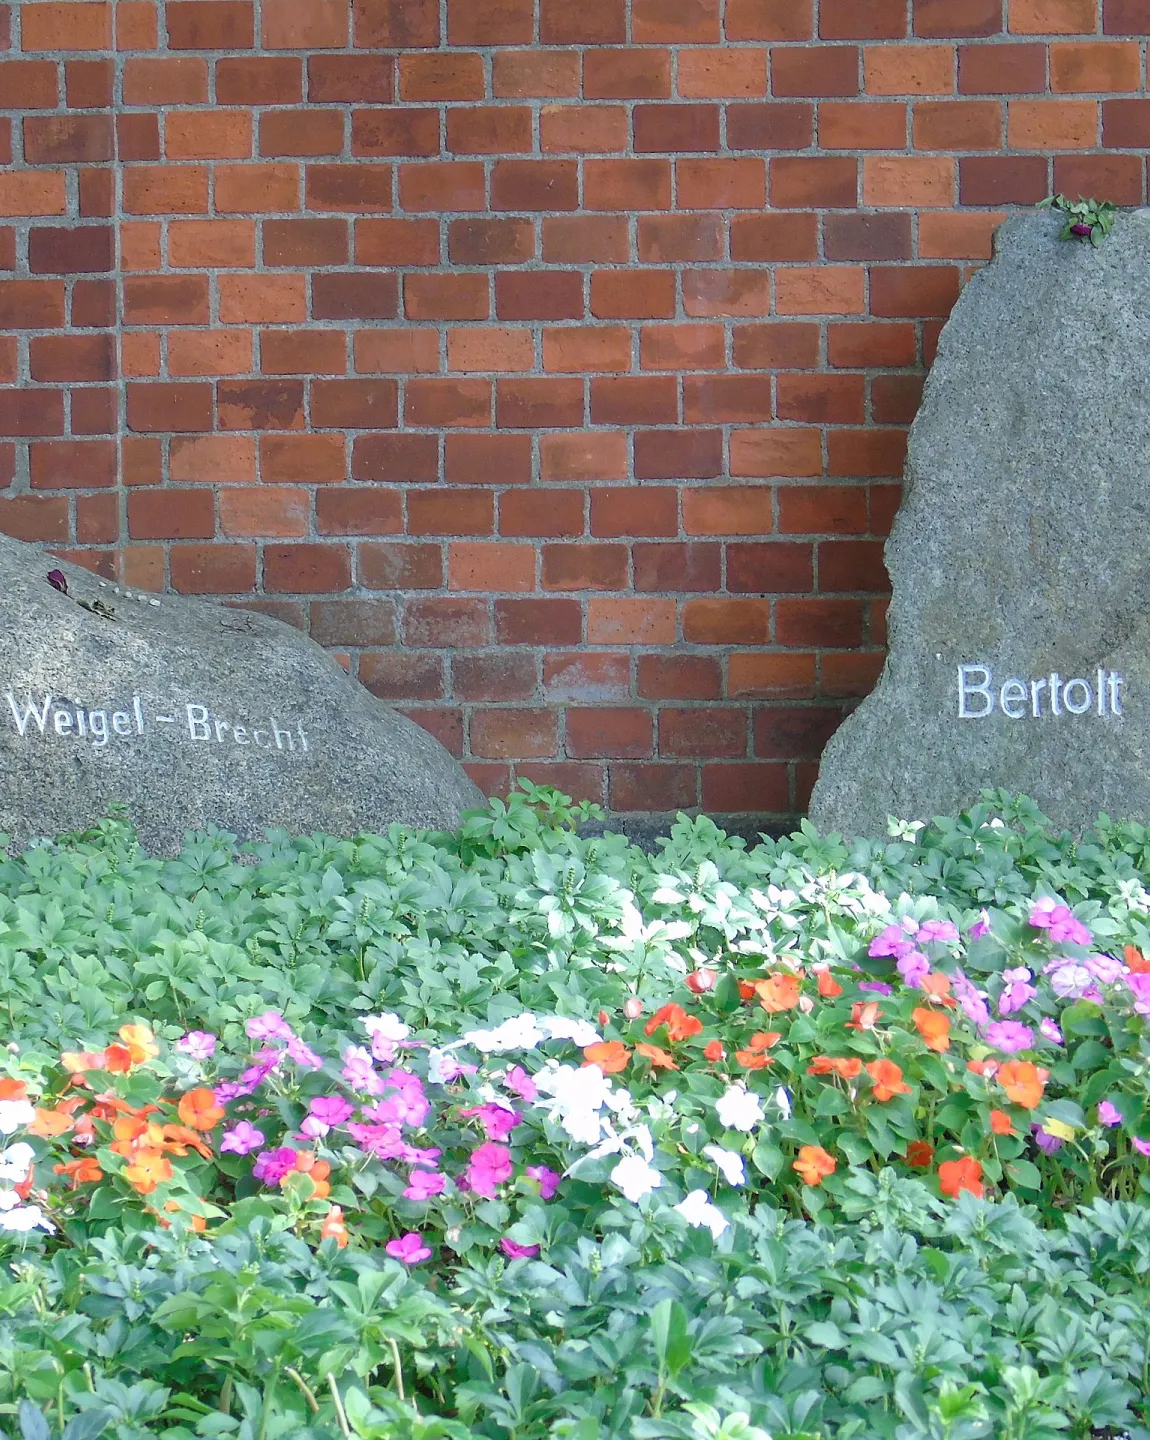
x=398 y=1368
x=303 y=1386
x=345 y=1429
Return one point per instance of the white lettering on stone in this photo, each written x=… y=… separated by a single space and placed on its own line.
x=1046 y=697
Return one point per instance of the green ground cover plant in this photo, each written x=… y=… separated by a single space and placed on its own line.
x=520 y=1132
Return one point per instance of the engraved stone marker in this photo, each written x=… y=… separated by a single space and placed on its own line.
x=1020 y=559
x=192 y=714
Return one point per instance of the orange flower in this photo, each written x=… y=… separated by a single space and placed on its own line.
x=747 y=989
x=864 y=1015
x=937 y=987
x=198 y=1109
x=957 y=1175
x=887 y=1079
x=76 y=1062
x=814 y=1164
x=842 y=1066
x=333 y=1227
x=133 y=1135
x=177 y=1138
x=49 y=1123
x=753 y=1059
x=934 y=1028
x=713 y=1050
x=987 y=1068
x=1022 y=1082
x=779 y=991
x=81 y=1172
x=1000 y=1123
x=1136 y=961
x=198 y=1223
x=765 y=1039
x=611 y=1056
x=920 y=1153
x=660 y=1059
x=148 y=1169
x=13 y=1090
x=316 y=1170
x=829 y=987
x=680 y=1025
x=108 y=1105
x=140 y=1041
x=117 y=1060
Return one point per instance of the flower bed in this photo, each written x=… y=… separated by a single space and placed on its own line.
x=513 y=1133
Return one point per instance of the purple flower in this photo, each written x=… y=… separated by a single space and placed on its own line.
x=1140 y=988
x=424 y=1184
x=1050 y=1030
x=245 y=1138
x=1109 y=1114
x=359 y=1072
x=198 y=1044
x=520 y=1083
x=1059 y=920
x=1105 y=969
x=497 y=1121
x=971 y=999
x=385 y=1142
x=941 y=931
x=303 y=1054
x=1081 y=229
x=914 y=967
x=1046 y=1142
x=980 y=928
x=271 y=1025
x=547 y=1180
x=880 y=987
x=1009 y=1036
x=515 y=1251
x=58 y=581
x=1017 y=990
x=411 y=1249
x=330 y=1110
x=423 y=1155
x=272 y=1165
x=489 y=1167
x=891 y=942
x=406 y=1105
x=1069 y=979
x=1142 y=1146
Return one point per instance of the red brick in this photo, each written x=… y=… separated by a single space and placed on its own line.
x=212 y=569
x=35 y=517
x=634 y=510
x=822 y=399
x=395 y=457
x=627 y=74
x=543 y=185
x=746 y=788
x=664 y=239
x=490 y=566
x=305 y=25
x=446 y=297
x=727 y=622
x=633 y=294
x=728 y=510
x=210 y=24
x=396 y=131
x=677 y=567
x=850 y=565
x=862 y=19
x=867 y=237
x=579 y=239
x=820 y=70
x=626 y=621
x=400 y=565
x=171 y=514
x=72 y=464
x=786 y=732
x=584 y=567
x=593 y=22
x=350 y=78
x=526 y=74
x=774 y=567
x=947 y=19
x=306 y=569
x=95 y=412
x=1120 y=178
x=31 y=304
x=302 y=458
x=539 y=295
x=259 y=405
x=255 y=80
x=627 y=184
x=678 y=455
x=674 y=22
x=539 y=512
x=770 y=125
x=530 y=404
x=702 y=732
x=771 y=676
x=1004 y=68
x=584 y=456
x=437 y=402
x=396 y=24
x=490 y=22
x=489 y=130
x=823 y=509
x=491 y=242
x=403 y=676
x=300 y=132
x=445 y=724
x=814 y=181
x=386 y=350
x=634 y=400
x=74 y=25
x=493 y=676
x=913 y=290
x=895 y=398
x=551 y=621
x=138 y=137
x=778 y=345
x=673 y=128
x=1126 y=124
x=862 y=453
x=586 y=676
x=1002 y=179
x=157 y=407
x=448 y=185
x=679 y=677
x=29 y=84
x=484 y=349
x=450 y=512
x=212 y=243
x=267 y=511
x=721 y=184
x=203 y=458
x=826 y=623
x=652 y=787
x=1126 y=17
x=65 y=139
x=722 y=73
x=514 y=734
x=166 y=300
x=726 y=399
x=355 y=404
x=441 y=76
x=355 y=511
x=389 y=242
x=682 y=347
x=616 y=733
x=733 y=293
x=93 y=303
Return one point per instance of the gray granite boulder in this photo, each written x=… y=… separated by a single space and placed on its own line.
x=189 y=714
x=1020 y=559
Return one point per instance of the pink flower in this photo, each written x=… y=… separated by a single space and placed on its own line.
x=515 y=1251
x=385 y=1142
x=425 y=1184
x=547 y=1180
x=1059 y=921
x=972 y=1000
x=880 y=987
x=1105 y=969
x=1109 y=1114
x=359 y=1072
x=410 y=1249
x=272 y=1165
x=892 y=941
x=243 y=1139
x=1009 y=1036
x=941 y=931
x=1142 y=1146
x=1046 y=1142
x=303 y=1054
x=497 y=1121
x=198 y=1044
x=1140 y=989
x=1050 y=1030
x=271 y=1025
x=980 y=928
x=1017 y=991
x=520 y=1083
x=914 y=967
x=489 y=1167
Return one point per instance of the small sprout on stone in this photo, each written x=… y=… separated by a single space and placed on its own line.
x=1085 y=219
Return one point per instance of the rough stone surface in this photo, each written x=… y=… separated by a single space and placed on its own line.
x=1021 y=545
x=270 y=689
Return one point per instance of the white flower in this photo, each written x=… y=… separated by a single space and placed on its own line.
x=15 y=1161
x=699 y=1213
x=387 y=1025
x=728 y=1162
x=8 y=1199
x=560 y=1027
x=519 y=1033
x=577 y=1096
x=635 y=1178
x=14 y=1114
x=783 y=1101
x=739 y=1109
x=25 y=1217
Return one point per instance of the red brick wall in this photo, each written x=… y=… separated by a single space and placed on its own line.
x=550 y=359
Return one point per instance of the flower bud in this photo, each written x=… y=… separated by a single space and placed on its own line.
x=699 y=982
x=604 y=1019
x=632 y=1007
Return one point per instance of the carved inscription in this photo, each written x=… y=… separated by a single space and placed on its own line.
x=43 y=715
